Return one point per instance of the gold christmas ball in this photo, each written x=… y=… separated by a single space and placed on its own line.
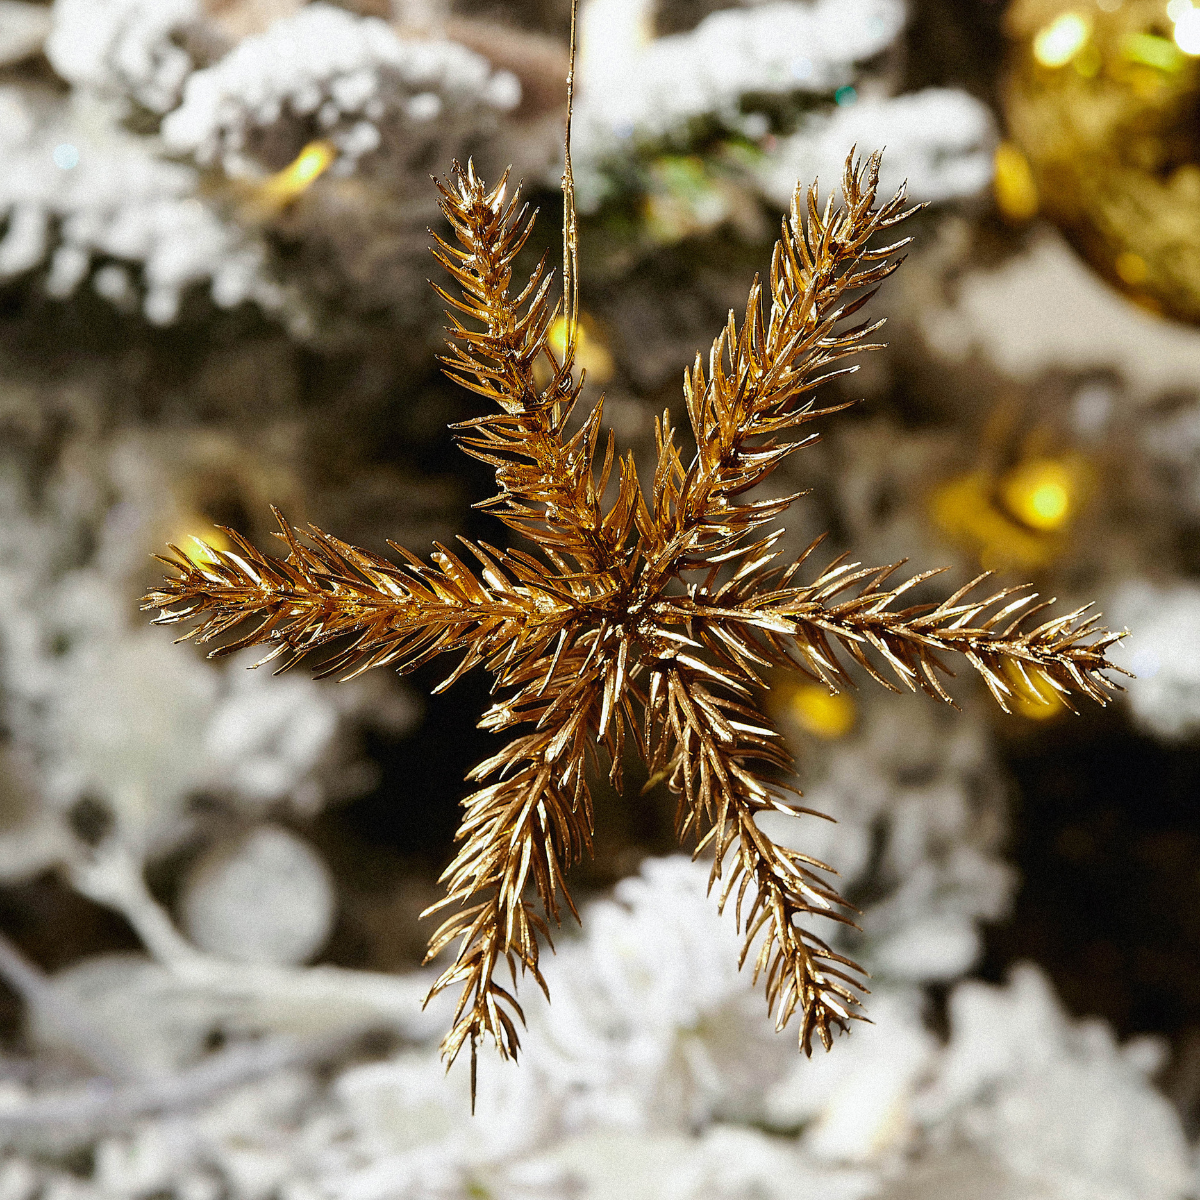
x=1102 y=100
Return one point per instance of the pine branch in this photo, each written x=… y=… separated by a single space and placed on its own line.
x=754 y=626
x=547 y=488
x=527 y=827
x=823 y=271
x=718 y=752
x=328 y=592
x=1066 y=651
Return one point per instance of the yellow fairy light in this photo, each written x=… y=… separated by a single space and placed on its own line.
x=1013 y=183
x=1016 y=521
x=200 y=550
x=299 y=175
x=591 y=354
x=1176 y=8
x=1057 y=43
x=1033 y=695
x=1131 y=268
x=1187 y=31
x=819 y=711
x=965 y=509
x=1041 y=493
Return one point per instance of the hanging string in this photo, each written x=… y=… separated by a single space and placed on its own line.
x=570 y=225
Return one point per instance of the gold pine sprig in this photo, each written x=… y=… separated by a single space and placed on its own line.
x=631 y=616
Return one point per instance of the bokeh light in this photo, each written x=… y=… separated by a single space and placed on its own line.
x=1033 y=695
x=1013 y=184
x=1150 y=50
x=299 y=175
x=591 y=353
x=199 y=547
x=1187 y=31
x=66 y=156
x=1042 y=493
x=817 y=710
x=1059 y=42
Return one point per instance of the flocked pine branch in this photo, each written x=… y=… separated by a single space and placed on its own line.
x=648 y=618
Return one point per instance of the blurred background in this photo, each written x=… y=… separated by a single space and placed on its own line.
x=213 y=297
